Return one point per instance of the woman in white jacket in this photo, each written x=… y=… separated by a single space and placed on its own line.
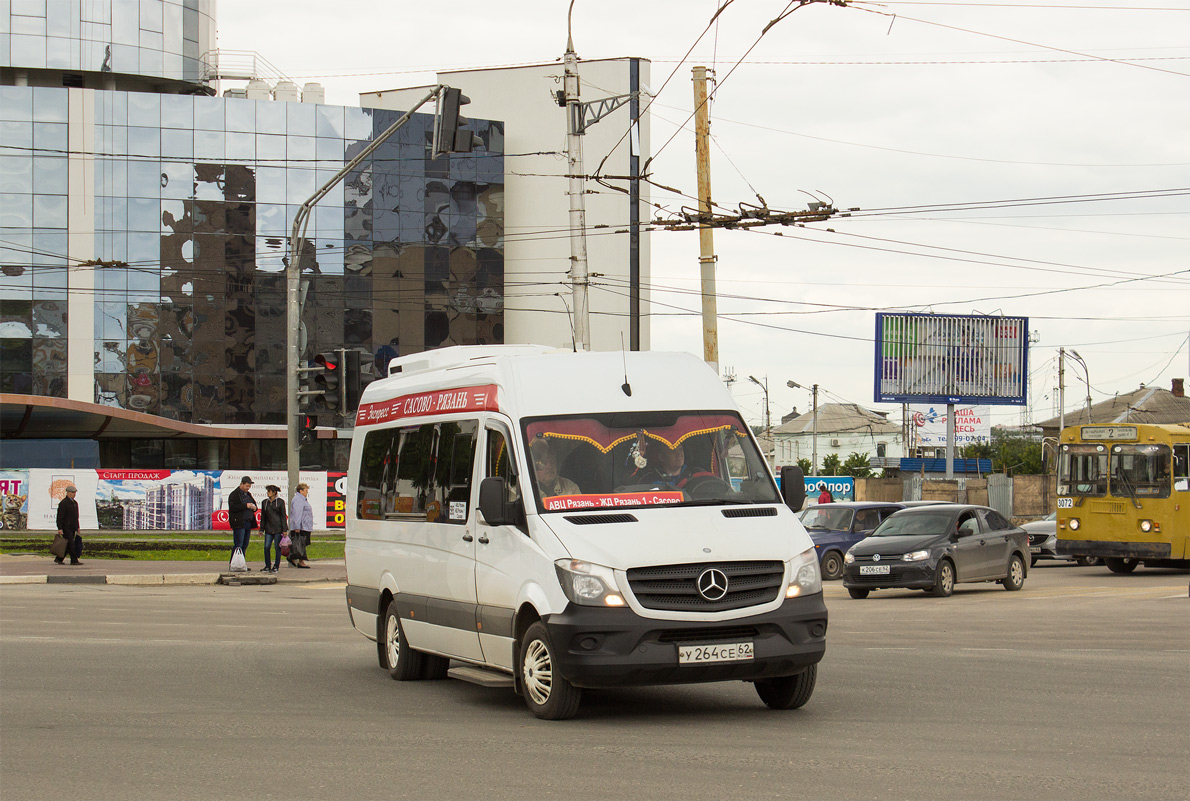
x=301 y=520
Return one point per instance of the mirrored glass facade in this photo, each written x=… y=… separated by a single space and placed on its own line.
x=155 y=38
x=193 y=200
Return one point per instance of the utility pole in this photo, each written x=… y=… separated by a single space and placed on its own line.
x=578 y=212
x=706 y=245
x=1061 y=390
x=814 y=441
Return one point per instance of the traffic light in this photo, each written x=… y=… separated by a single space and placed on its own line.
x=306 y=425
x=450 y=133
x=360 y=371
x=327 y=381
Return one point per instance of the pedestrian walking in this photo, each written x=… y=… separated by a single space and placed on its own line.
x=825 y=496
x=273 y=522
x=68 y=526
x=301 y=520
x=241 y=514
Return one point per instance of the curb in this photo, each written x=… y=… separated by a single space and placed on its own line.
x=166 y=579
x=23 y=579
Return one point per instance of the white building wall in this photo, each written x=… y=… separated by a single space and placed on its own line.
x=537 y=204
x=791 y=447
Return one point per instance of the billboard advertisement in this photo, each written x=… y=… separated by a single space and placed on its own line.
x=154 y=500
x=943 y=359
x=972 y=425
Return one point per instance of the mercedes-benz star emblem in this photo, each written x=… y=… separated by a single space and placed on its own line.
x=712 y=584
x=875 y=557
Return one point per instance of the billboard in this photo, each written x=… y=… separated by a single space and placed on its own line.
x=153 y=500
x=972 y=425
x=948 y=358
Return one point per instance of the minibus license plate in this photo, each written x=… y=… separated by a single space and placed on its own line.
x=720 y=652
x=873 y=570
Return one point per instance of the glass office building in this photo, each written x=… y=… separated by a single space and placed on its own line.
x=144 y=224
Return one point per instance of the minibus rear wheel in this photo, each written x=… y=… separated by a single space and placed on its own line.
x=788 y=692
x=548 y=695
x=400 y=660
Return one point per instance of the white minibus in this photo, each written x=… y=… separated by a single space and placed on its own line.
x=550 y=521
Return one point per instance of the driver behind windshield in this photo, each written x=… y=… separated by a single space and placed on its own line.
x=667 y=466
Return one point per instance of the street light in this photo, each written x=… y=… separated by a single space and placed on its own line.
x=768 y=421
x=814 y=441
x=1086 y=380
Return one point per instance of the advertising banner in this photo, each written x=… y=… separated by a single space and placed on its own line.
x=972 y=424
x=841 y=487
x=154 y=500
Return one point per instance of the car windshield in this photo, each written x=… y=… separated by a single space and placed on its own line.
x=901 y=525
x=1082 y=470
x=618 y=460
x=835 y=518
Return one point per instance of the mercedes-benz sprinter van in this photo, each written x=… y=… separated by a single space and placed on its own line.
x=552 y=521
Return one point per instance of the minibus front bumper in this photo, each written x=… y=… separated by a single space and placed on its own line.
x=600 y=647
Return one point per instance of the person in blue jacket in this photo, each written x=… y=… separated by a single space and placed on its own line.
x=301 y=521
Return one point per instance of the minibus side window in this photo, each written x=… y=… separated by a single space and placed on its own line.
x=500 y=462
x=452 y=476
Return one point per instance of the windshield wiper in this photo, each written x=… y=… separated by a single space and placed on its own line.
x=1123 y=479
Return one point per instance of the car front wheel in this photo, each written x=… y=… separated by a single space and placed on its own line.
x=1119 y=565
x=832 y=566
x=857 y=593
x=788 y=692
x=944 y=579
x=548 y=695
x=1016 y=574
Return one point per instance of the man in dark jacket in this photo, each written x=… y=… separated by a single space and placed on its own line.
x=241 y=514
x=68 y=526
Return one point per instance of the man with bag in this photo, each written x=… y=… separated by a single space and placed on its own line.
x=241 y=515
x=68 y=528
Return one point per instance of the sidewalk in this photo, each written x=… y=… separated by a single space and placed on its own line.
x=22 y=569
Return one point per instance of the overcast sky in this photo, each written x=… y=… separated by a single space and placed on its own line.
x=898 y=114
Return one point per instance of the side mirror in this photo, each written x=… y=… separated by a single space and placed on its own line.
x=793 y=487
x=493 y=502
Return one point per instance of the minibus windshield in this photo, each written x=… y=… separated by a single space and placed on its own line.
x=624 y=460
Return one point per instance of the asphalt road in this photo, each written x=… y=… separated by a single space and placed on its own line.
x=1074 y=688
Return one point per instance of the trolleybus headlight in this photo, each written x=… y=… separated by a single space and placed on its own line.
x=1074 y=524
x=1146 y=526
x=587 y=584
x=805 y=576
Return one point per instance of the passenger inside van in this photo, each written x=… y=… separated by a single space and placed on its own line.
x=545 y=472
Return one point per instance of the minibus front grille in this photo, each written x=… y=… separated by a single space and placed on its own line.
x=724 y=634
x=675 y=587
x=595 y=520
x=761 y=511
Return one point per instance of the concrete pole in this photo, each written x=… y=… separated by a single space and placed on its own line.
x=950 y=440
x=814 y=440
x=578 y=212
x=706 y=245
x=1061 y=391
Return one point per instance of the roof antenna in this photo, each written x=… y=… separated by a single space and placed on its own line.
x=624 y=354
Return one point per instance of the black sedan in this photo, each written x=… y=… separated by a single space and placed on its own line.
x=933 y=547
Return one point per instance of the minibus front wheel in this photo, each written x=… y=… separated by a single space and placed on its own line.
x=547 y=694
x=788 y=692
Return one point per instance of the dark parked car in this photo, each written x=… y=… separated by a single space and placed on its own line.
x=835 y=527
x=933 y=547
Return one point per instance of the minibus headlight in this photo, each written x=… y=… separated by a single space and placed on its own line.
x=1074 y=524
x=587 y=584
x=805 y=576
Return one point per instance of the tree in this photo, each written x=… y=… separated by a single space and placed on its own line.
x=804 y=464
x=856 y=466
x=831 y=465
x=1010 y=451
